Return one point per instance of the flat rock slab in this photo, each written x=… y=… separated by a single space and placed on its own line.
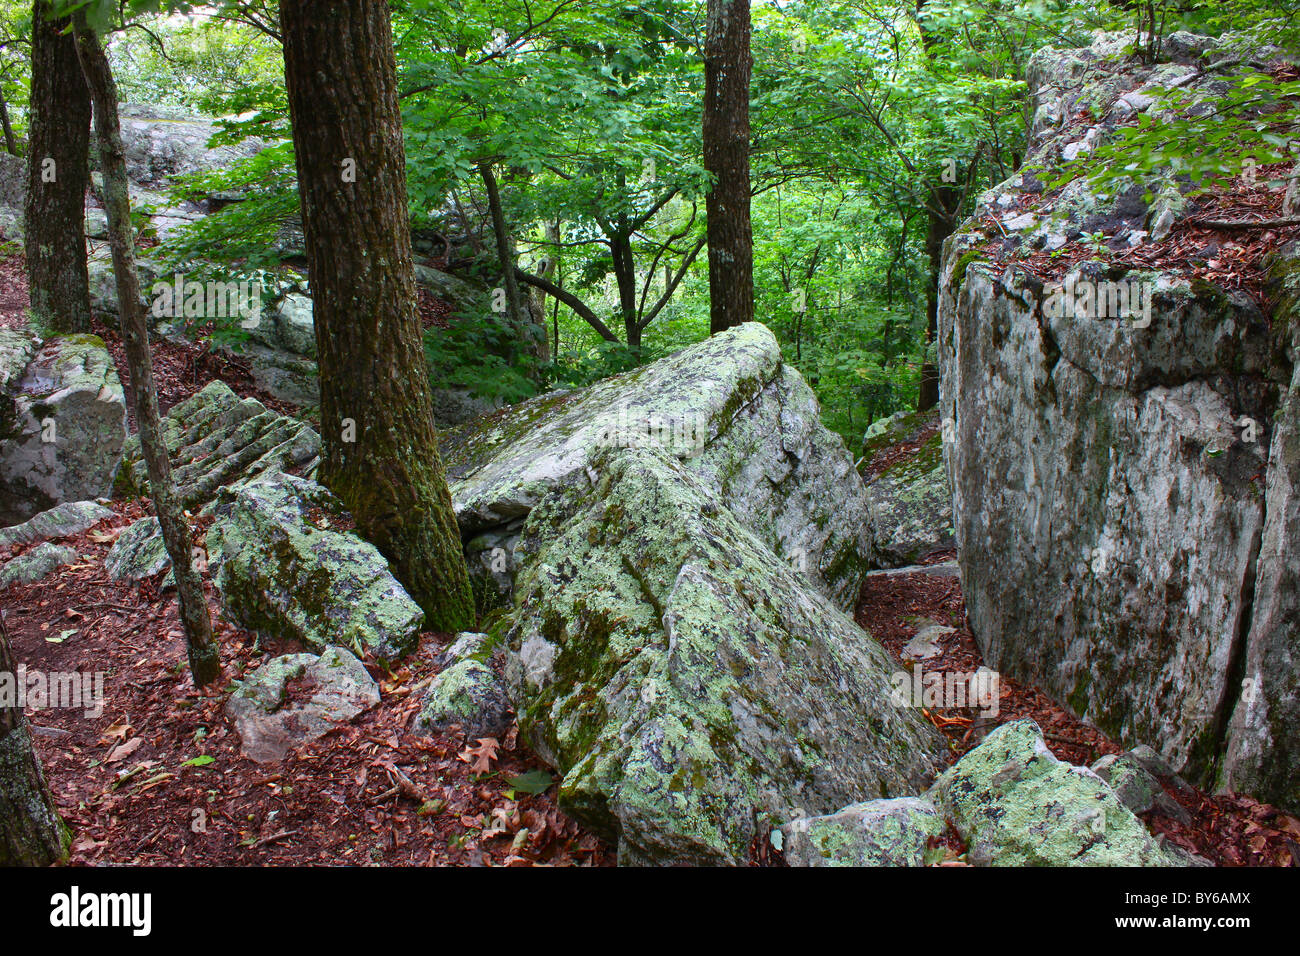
x=292 y=700
x=684 y=679
x=61 y=521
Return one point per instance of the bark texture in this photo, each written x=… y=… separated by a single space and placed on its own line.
x=31 y=833
x=58 y=172
x=380 y=446
x=727 y=68
x=204 y=656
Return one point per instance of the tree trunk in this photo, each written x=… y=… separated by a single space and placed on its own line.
x=520 y=319
x=31 y=833
x=727 y=66
x=380 y=447
x=11 y=147
x=942 y=221
x=204 y=655
x=57 y=176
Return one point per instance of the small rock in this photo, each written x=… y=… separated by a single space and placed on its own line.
x=880 y=833
x=138 y=553
x=468 y=694
x=271 y=723
x=35 y=564
x=925 y=644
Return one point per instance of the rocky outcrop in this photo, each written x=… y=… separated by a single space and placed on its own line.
x=285 y=565
x=683 y=676
x=214 y=439
x=292 y=700
x=911 y=506
x=1012 y=802
x=62 y=422
x=729 y=408
x=1110 y=432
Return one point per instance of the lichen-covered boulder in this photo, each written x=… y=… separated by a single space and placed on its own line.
x=215 y=439
x=62 y=423
x=468 y=694
x=36 y=563
x=1137 y=787
x=138 y=552
x=911 y=505
x=893 y=832
x=729 y=408
x=284 y=566
x=686 y=680
x=1109 y=435
x=1015 y=804
x=69 y=518
x=292 y=700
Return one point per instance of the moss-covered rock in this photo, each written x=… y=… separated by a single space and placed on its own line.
x=468 y=694
x=686 y=680
x=878 y=833
x=214 y=438
x=911 y=503
x=283 y=567
x=138 y=553
x=36 y=563
x=1015 y=804
x=69 y=518
x=728 y=408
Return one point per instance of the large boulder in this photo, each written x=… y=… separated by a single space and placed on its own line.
x=1109 y=432
x=911 y=505
x=163 y=142
x=62 y=422
x=729 y=408
x=285 y=565
x=684 y=678
x=36 y=563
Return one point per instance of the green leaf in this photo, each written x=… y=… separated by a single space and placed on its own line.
x=535 y=781
x=201 y=761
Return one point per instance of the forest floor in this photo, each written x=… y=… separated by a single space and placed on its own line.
x=157 y=777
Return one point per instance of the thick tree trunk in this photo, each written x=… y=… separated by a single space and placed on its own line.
x=727 y=67
x=31 y=833
x=381 y=452
x=942 y=222
x=57 y=176
x=204 y=655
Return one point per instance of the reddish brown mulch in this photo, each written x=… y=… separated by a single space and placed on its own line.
x=13 y=292
x=1227 y=829
x=157 y=778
